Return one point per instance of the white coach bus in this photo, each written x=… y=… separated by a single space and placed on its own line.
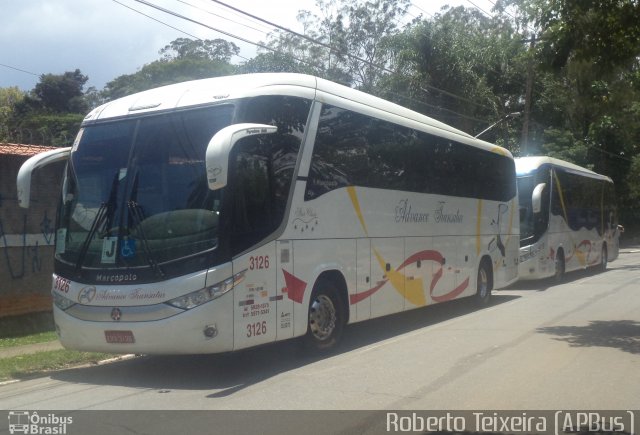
x=224 y=213
x=568 y=218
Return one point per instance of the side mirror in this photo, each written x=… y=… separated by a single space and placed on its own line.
x=23 y=181
x=220 y=146
x=536 y=197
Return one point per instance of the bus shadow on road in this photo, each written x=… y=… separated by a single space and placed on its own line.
x=232 y=372
x=545 y=284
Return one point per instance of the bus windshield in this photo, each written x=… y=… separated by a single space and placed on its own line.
x=525 y=189
x=135 y=191
x=533 y=225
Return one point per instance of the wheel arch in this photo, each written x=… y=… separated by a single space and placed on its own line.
x=338 y=280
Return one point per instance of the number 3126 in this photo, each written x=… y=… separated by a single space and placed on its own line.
x=259 y=262
x=258 y=328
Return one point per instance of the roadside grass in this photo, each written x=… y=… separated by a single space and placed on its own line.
x=28 y=365
x=41 y=337
x=32 y=364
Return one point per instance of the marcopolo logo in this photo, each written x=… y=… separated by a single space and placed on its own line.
x=32 y=423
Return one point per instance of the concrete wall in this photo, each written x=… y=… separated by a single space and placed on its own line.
x=27 y=238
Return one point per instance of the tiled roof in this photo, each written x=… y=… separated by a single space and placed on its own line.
x=13 y=149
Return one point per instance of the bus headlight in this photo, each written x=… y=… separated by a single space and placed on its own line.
x=62 y=302
x=199 y=297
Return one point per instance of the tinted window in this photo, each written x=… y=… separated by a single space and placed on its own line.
x=579 y=199
x=352 y=149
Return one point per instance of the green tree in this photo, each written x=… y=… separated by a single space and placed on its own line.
x=9 y=98
x=60 y=93
x=372 y=24
x=588 y=54
x=51 y=113
x=271 y=62
x=182 y=60
x=462 y=68
x=346 y=43
x=213 y=50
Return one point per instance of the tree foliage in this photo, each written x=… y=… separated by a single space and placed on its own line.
x=50 y=114
x=212 y=50
x=587 y=57
x=61 y=93
x=182 y=60
x=9 y=98
x=347 y=42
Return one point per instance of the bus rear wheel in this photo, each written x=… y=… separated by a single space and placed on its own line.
x=558 y=276
x=326 y=317
x=483 y=293
x=603 y=259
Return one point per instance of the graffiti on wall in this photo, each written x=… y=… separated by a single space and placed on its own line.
x=21 y=252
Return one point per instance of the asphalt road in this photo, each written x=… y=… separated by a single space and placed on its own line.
x=539 y=345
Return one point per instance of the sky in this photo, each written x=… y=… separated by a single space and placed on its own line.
x=109 y=38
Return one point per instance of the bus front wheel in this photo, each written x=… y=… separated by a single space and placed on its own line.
x=326 y=317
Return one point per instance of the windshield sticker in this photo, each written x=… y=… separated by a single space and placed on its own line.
x=128 y=248
x=109 y=245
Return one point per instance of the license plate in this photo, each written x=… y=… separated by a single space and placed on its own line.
x=119 y=337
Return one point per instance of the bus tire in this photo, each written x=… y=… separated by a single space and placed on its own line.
x=558 y=275
x=483 y=284
x=326 y=317
x=604 y=258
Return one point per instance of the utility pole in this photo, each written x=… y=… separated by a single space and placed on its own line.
x=524 y=142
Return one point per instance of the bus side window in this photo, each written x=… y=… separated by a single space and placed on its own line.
x=250 y=193
x=341 y=152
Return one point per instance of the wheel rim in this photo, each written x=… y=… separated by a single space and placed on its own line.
x=322 y=317
x=483 y=283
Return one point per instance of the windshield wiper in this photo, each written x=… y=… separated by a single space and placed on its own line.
x=138 y=217
x=105 y=210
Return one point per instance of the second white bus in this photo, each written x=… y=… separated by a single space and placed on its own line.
x=225 y=213
x=568 y=218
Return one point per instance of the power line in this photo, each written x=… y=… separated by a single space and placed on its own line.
x=156 y=20
x=505 y=11
x=165 y=24
x=221 y=16
x=421 y=10
x=20 y=70
x=177 y=15
x=480 y=9
x=257 y=44
x=329 y=47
